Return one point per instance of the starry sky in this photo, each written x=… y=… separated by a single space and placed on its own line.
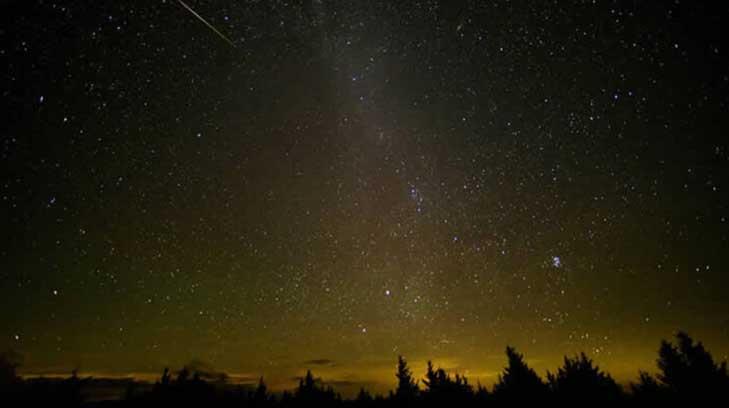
x=329 y=184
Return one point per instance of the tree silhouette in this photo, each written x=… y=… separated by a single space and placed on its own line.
x=10 y=383
x=9 y=363
x=579 y=381
x=364 y=399
x=166 y=378
x=442 y=389
x=648 y=390
x=182 y=376
x=687 y=375
x=519 y=382
x=481 y=396
x=310 y=393
x=407 y=387
x=71 y=390
x=260 y=397
x=307 y=384
x=687 y=371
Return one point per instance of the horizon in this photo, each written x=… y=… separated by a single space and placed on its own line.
x=344 y=381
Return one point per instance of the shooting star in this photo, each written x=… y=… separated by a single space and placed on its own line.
x=199 y=17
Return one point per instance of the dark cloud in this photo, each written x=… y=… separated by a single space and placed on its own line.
x=319 y=362
x=244 y=379
x=342 y=383
x=206 y=371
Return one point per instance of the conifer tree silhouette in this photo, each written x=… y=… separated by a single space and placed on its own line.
x=364 y=399
x=519 y=383
x=260 y=397
x=307 y=385
x=310 y=393
x=579 y=381
x=407 y=391
x=481 y=396
x=182 y=376
x=687 y=375
x=688 y=369
x=647 y=390
x=442 y=389
x=166 y=378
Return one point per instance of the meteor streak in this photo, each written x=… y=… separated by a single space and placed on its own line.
x=199 y=17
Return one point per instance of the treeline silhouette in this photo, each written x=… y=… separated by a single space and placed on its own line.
x=687 y=374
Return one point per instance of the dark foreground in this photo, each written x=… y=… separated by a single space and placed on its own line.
x=687 y=374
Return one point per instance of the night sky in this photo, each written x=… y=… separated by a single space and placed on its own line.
x=354 y=180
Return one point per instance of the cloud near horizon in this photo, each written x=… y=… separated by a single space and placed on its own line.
x=319 y=362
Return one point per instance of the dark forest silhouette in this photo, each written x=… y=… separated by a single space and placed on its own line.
x=687 y=373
